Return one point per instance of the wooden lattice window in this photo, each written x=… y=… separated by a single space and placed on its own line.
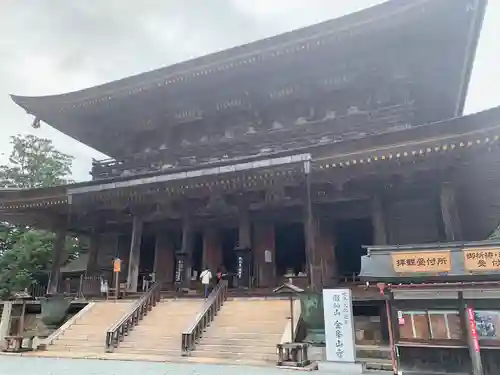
x=430 y=325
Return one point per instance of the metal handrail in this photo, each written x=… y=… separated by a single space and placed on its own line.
x=121 y=328
x=210 y=309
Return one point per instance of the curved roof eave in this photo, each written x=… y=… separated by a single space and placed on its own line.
x=470 y=55
x=470 y=124
x=34 y=103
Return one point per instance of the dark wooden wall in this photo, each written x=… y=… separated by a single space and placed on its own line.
x=478 y=195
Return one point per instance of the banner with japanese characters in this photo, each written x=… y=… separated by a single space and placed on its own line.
x=422 y=261
x=339 y=325
x=482 y=259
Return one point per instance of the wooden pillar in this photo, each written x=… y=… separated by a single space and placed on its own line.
x=109 y=249
x=378 y=222
x=310 y=231
x=134 y=254
x=92 y=263
x=243 y=251
x=57 y=256
x=123 y=252
x=244 y=230
x=449 y=211
x=187 y=250
x=212 y=249
x=164 y=258
x=326 y=252
x=264 y=247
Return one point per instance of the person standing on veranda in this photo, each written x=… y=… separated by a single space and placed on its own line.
x=206 y=277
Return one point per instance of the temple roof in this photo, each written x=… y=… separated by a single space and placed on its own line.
x=99 y=115
x=476 y=131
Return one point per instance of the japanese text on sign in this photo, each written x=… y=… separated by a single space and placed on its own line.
x=337 y=304
x=422 y=261
x=179 y=271
x=483 y=259
x=240 y=267
x=473 y=328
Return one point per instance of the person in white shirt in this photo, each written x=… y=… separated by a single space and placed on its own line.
x=206 y=277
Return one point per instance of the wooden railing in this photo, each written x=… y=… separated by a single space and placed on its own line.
x=210 y=309
x=80 y=286
x=120 y=329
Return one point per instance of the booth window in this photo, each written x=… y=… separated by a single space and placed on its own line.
x=430 y=325
x=488 y=325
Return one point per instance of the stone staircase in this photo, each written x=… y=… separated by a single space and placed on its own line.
x=245 y=331
x=158 y=335
x=86 y=336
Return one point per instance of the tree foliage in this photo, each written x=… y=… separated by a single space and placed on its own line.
x=35 y=162
x=26 y=253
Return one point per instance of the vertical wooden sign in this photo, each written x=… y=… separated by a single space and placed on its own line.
x=117 y=266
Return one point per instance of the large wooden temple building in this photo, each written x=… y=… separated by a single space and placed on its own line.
x=282 y=157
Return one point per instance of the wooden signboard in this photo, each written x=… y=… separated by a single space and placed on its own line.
x=482 y=259
x=422 y=262
x=117 y=265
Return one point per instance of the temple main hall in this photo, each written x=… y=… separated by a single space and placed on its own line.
x=280 y=159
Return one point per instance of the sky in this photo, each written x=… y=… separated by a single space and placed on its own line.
x=55 y=46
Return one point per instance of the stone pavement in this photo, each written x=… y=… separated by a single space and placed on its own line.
x=17 y=365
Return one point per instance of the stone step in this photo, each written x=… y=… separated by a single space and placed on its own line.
x=87 y=335
x=87 y=330
x=159 y=332
x=94 y=331
x=159 y=329
x=174 y=358
x=275 y=328
x=139 y=335
x=171 y=352
x=208 y=347
x=236 y=356
x=78 y=337
x=107 y=320
x=229 y=341
x=245 y=330
x=152 y=344
x=85 y=327
x=224 y=321
x=224 y=335
x=79 y=343
x=162 y=328
x=225 y=361
x=81 y=349
x=249 y=311
x=150 y=323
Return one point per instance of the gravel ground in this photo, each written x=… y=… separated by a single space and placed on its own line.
x=13 y=365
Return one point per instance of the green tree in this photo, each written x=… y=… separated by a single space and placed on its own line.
x=26 y=253
x=35 y=162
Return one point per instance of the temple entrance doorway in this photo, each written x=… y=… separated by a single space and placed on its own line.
x=350 y=237
x=146 y=258
x=229 y=241
x=290 y=247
